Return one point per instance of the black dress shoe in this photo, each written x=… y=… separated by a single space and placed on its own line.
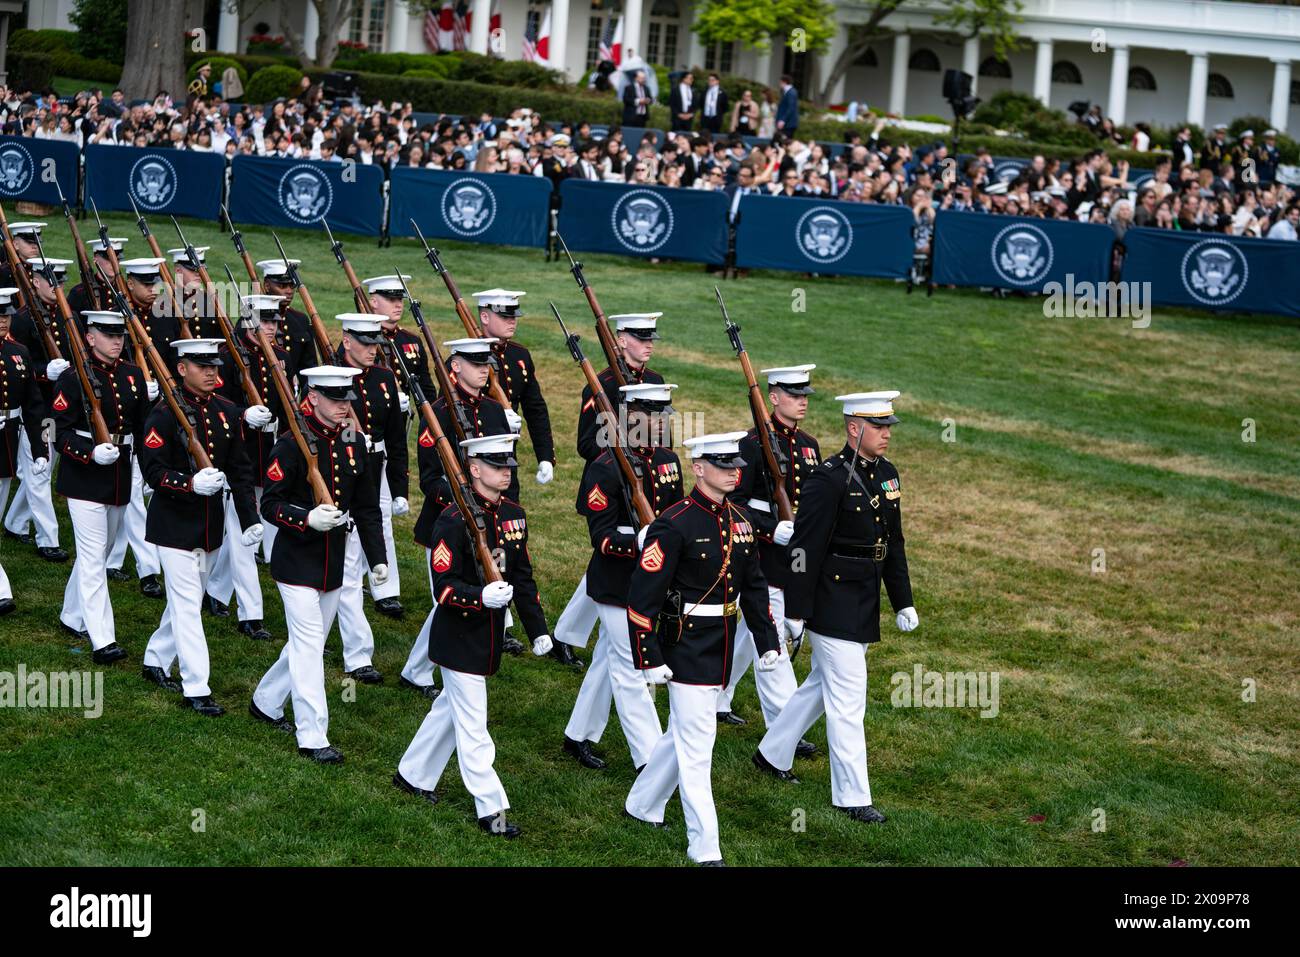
x=253 y=628
x=280 y=724
x=217 y=609
x=82 y=633
x=108 y=654
x=564 y=655
x=730 y=717
x=404 y=785
x=55 y=554
x=391 y=607
x=718 y=863
x=117 y=575
x=582 y=750
x=27 y=538
x=325 y=755
x=8 y=606
x=804 y=749
x=367 y=675
x=205 y=706
x=864 y=815
x=155 y=675
x=512 y=645
x=767 y=767
x=150 y=588
x=498 y=826
x=429 y=691
x=661 y=825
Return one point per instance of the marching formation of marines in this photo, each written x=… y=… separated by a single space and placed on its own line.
x=209 y=444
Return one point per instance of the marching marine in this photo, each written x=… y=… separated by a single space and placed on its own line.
x=22 y=411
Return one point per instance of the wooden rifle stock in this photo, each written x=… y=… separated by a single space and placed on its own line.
x=608 y=344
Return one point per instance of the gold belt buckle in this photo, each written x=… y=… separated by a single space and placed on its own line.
x=881 y=548
x=729 y=608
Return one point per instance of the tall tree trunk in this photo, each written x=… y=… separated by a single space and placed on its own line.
x=155 y=49
x=331 y=16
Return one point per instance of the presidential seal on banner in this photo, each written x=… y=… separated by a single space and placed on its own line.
x=642 y=221
x=468 y=207
x=305 y=194
x=824 y=234
x=153 y=182
x=1214 y=272
x=1022 y=254
x=16 y=169
x=1004 y=171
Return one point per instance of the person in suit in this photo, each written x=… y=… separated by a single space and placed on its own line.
x=636 y=101
x=683 y=102
x=714 y=107
x=787 y=110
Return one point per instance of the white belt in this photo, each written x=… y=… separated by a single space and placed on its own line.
x=273 y=426
x=759 y=504
x=710 y=611
x=10 y=413
x=380 y=446
x=625 y=529
x=116 y=439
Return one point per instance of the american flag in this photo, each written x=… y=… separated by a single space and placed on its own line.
x=460 y=27
x=537 y=41
x=605 y=51
x=439 y=28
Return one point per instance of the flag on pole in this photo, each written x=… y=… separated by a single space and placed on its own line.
x=610 y=41
x=460 y=26
x=537 y=42
x=439 y=29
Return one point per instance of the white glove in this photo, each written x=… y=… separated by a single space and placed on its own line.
x=105 y=454
x=40 y=466
x=767 y=661
x=658 y=676
x=324 y=517
x=640 y=537
x=370 y=443
x=542 y=645
x=56 y=368
x=208 y=481
x=794 y=628
x=379 y=574
x=258 y=416
x=513 y=420
x=253 y=534
x=151 y=389
x=907 y=619
x=403 y=402
x=497 y=594
x=545 y=472
x=401 y=506
x=784 y=530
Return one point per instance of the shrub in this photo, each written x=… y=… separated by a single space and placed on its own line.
x=272 y=82
x=101 y=29
x=219 y=66
x=67 y=63
x=40 y=41
x=30 y=70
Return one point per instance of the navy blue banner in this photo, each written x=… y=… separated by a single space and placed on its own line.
x=1018 y=252
x=29 y=168
x=853 y=239
x=1214 y=271
x=282 y=192
x=476 y=207
x=644 y=221
x=174 y=182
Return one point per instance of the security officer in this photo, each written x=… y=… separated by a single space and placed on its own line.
x=788 y=389
x=612 y=526
x=469 y=363
x=308 y=558
x=699 y=561
x=33 y=502
x=197 y=302
x=388 y=300
x=636 y=335
x=468 y=645
x=384 y=426
x=95 y=478
x=296 y=334
x=187 y=515
x=498 y=314
x=851 y=532
x=22 y=408
x=79 y=297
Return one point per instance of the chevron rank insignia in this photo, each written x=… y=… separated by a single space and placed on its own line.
x=60 y=402
x=275 y=473
x=596 y=500
x=441 y=558
x=153 y=439
x=652 y=559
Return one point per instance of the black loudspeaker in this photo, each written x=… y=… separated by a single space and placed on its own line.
x=956 y=85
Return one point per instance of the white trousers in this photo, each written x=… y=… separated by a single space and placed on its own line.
x=683 y=758
x=354 y=628
x=612 y=674
x=837 y=687
x=774 y=687
x=457 y=721
x=269 y=529
x=418 y=668
x=180 y=633
x=393 y=587
x=578 y=618
x=85 y=599
x=131 y=531
x=234 y=569
x=33 y=502
x=5 y=590
x=299 y=672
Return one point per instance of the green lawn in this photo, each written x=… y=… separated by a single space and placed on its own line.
x=1120 y=690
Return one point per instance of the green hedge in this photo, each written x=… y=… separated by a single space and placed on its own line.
x=272 y=82
x=29 y=70
x=40 y=41
x=57 y=44
x=457 y=65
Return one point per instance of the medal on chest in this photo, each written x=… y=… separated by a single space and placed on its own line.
x=742 y=532
x=891 y=489
x=668 y=473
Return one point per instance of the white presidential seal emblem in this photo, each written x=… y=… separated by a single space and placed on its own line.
x=305 y=194
x=1214 y=272
x=153 y=182
x=16 y=168
x=642 y=221
x=824 y=234
x=1007 y=170
x=468 y=207
x=1022 y=254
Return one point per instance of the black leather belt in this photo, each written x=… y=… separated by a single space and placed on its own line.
x=875 y=553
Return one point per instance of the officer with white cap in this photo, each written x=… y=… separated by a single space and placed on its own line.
x=22 y=413
x=79 y=297
x=197 y=302
x=468 y=645
x=309 y=554
x=388 y=301
x=699 y=565
x=850 y=531
x=296 y=334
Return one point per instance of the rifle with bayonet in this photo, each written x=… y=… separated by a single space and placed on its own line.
x=317 y=326
x=459 y=417
x=633 y=490
x=163 y=269
x=83 y=258
x=34 y=305
x=772 y=457
x=237 y=238
x=120 y=285
x=613 y=354
x=362 y=300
